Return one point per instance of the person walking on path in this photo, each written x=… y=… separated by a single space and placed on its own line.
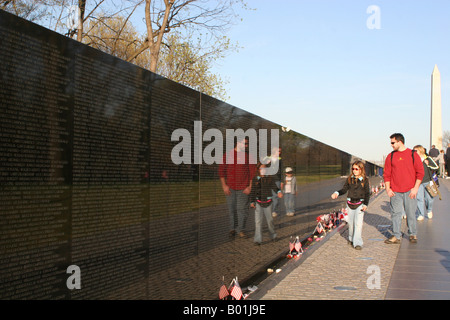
x=236 y=174
x=433 y=153
x=403 y=173
x=441 y=163
x=261 y=199
x=447 y=160
x=424 y=199
x=358 y=188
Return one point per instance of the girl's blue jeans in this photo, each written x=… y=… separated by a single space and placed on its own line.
x=355 y=224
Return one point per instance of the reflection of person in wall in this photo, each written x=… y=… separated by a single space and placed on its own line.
x=274 y=160
x=261 y=198
x=289 y=188
x=358 y=196
x=164 y=176
x=236 y=173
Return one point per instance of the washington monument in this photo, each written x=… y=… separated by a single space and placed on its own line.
x=436 y=110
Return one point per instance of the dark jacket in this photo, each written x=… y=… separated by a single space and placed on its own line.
x=262 y=190
x=356 y=191
x=428 y=169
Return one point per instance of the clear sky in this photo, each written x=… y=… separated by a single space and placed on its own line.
x=315 y=66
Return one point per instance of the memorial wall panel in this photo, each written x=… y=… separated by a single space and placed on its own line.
x=110 y=159
x=34 y=166
x=112 y=169
x=173 y=222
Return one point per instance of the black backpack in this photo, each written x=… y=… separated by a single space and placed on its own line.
x=433 y=173
x=412 y=155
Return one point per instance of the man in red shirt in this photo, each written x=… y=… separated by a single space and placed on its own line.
x=236 y=173
x=403 y=173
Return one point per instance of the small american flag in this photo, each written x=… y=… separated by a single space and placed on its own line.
x=291 y=245
x=319 y=228
x=298 y=246
x=223 y=292
x=236 y=292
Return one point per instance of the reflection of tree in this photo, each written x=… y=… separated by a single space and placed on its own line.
x=172 y=107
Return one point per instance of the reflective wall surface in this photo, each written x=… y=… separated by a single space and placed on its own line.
x=87 y=179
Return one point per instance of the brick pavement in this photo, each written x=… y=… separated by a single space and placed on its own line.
x=335 y=264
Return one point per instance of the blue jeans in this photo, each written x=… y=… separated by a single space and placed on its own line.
x=424 y=201
x=238 y=205
x=355 y=223
x=267 y=213
x=289 y=202
x=402 y=202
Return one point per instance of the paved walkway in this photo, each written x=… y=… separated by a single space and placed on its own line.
x=334 y=270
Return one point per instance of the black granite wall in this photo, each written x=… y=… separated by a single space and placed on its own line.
x=87 y=179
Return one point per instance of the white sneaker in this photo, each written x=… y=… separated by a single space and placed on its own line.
x=274 y=214
x=290 y=214
x=430 y=215
x=420 y=218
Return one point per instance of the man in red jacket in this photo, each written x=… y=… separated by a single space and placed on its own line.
x=403 y=173
x=236 y=174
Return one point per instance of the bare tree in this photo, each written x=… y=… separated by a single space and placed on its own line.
x=32 y=10
x=199 y=26
x=446 y=139
x=83 y=18
x=184 y=61
x=162 y=16
x=204 y=20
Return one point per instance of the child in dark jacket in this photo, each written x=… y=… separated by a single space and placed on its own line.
x=261 y=199
x=358 y=188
